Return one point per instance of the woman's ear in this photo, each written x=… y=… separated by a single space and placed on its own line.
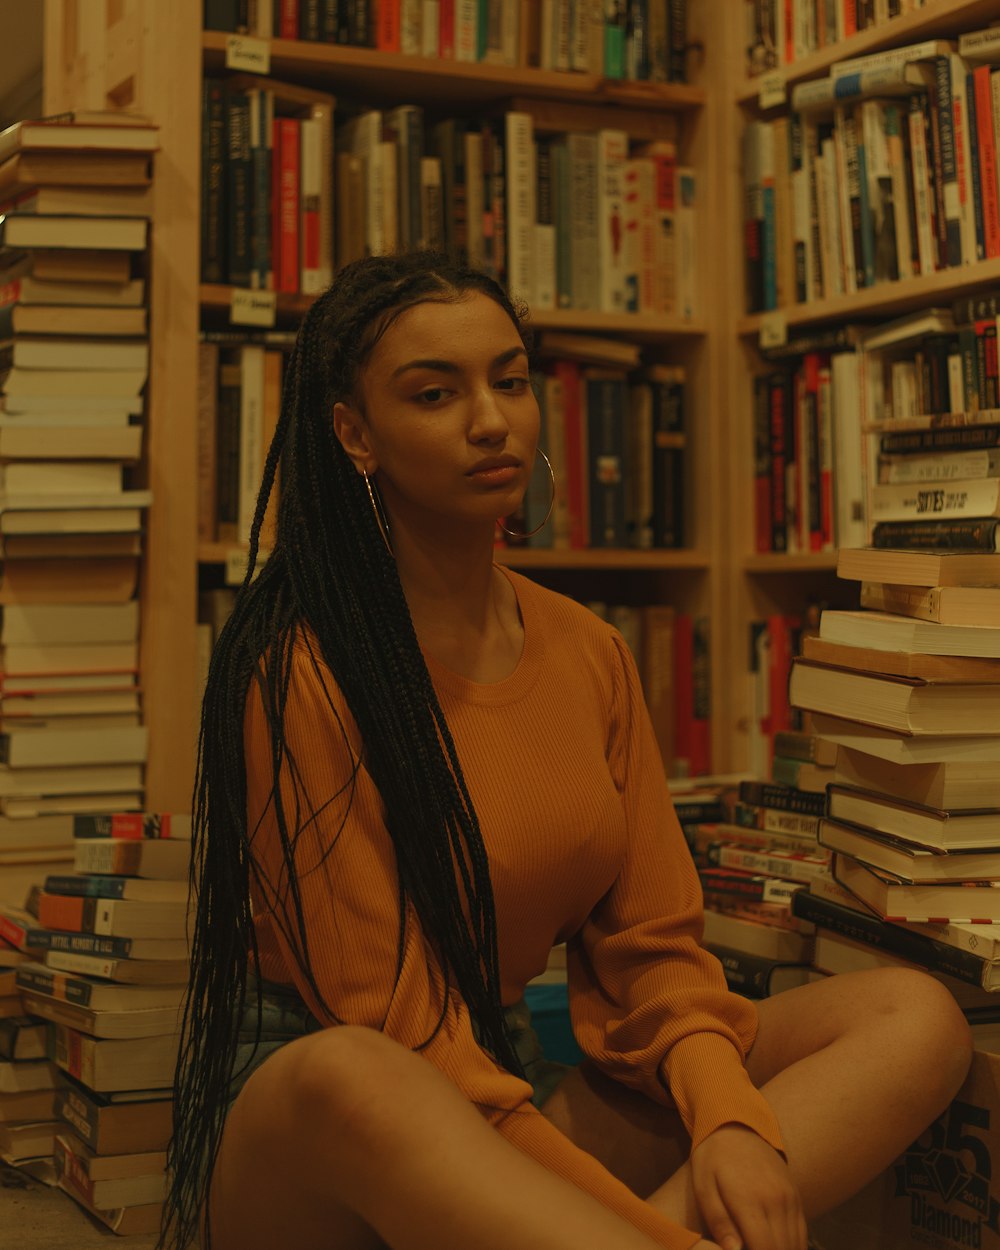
x=349 y=427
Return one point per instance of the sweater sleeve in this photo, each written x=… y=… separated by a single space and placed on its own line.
x=338 y=935
x=650 y=1006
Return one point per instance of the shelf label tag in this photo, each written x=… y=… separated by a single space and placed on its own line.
x=245 y=52
x=773 y=330
x=772 y=91
x=236 y=564
x=252 y=308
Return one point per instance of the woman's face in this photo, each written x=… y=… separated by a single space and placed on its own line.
x=450 y=420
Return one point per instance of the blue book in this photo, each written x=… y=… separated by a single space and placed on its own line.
x=974 y=174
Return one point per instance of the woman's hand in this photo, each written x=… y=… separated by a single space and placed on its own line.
x=745 y=1192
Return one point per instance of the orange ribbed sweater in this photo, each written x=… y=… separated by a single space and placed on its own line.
x=584 y=846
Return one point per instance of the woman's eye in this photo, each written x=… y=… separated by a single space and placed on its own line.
x=515 y=384
x=432 y=395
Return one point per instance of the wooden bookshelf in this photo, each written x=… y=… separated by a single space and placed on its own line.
x=937 y=19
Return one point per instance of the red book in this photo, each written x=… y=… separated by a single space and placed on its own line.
x=779 y=629
x=276 y=203
x=446 y=29
x=568 y=372
x=288 y=20
x=387 y=30
x=985 y=137
x=850 y=17
x=824 y=397
x=286 y=277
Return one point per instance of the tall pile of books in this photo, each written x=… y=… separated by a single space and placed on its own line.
x=75 y=196
x=909 y=692
x=113 y=941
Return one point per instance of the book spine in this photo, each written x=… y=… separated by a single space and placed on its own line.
x=238 y=188
x=612 y=153
x=952 y=236
x=789 y=865
x=762 y=463
x=287 y=222
x=897 y=940
x=945 y=439
x=923 y=193
x=778 y=399
x=972 y=535
x=520 y=215
x=310 y=192
x=986 y=147
x=668 y=463
x=605 y=408
x=946 y=501
x=213 y=180
x=90 y=883
x=781 y=798
x=54 y=985
x=732 y=883
x=975 y=169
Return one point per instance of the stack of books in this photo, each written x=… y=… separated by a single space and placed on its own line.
x=911 y=699
x=28 y=1121
x=111 y=984
x=75 y=199
x=751 y=866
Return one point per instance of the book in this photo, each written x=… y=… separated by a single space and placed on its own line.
x=97 y=994
x=756 y=887
x=22 y=1037
x=903 y=748
x=23 y=230
x=27 y=169
x=46 y=352
x=108 y=1065
x=907 y=705
x=55 y=624
x=113 y=1128
x=29 y=748
x=163 y=859
x=969 y=902
x=113 y=917
x=24 y=1075
x=780 y=798
x=949 y=605
x=886 y=632
x=756 y=976
x=789 y=865
x=36 y=1104
x=149 y=1024
x=906 y=860
x=93 y=130
x=20 y=319
x=131 y=825
x=31 y=1139
x=123 y=971
x=89 y=883
x=770 y=941
x=926 y=826
x=955 y=784
x=918 y=568
x=906 y=942
x=94 y=1181
x=933 y=668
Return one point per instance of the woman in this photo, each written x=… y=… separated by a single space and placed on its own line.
x=418 y=772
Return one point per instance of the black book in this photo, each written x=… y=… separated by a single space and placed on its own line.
x=959 y=535
x=213 y=199
x=783 y=798
x=945 y=438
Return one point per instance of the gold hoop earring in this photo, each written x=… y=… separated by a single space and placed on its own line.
x=380 y=517
x=548 y=511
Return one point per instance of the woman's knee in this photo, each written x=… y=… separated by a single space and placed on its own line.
x=929 y=1019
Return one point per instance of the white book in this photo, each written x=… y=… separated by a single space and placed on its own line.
x=924 y=501
x=29 y=748
x=981 y=47
x=848 y=475
x=103 y=384
x=843 y=187
x=410 y=24
x=21 y=440
x=521 y=214
x=46 y=624
x=94 y=657
x=612 y=153
x=510 y=31
x=893 y=57
x=429 y=31
x=104 y=780
x=946 y=466
x=361 y=136
x=686 y=219
x=61 y=476
x=885 y=631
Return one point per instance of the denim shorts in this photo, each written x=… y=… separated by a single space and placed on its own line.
x=286 y=1017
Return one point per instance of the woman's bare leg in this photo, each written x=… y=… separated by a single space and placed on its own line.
x=855 y=1066
x=344 y=1140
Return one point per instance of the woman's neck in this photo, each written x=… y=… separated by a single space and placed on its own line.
x=464 y=610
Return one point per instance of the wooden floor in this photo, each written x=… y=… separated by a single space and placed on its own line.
x=34 y=1216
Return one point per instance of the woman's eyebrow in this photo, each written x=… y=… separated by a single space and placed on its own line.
x=449 y=366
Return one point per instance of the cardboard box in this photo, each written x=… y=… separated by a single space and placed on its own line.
x=941 y=1193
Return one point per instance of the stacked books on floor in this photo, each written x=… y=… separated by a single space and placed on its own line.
x=75 y=199
x=910 y=697
x=112 y=942
x=751 y=864
x=28 y=1121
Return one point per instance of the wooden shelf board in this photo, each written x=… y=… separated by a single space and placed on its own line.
x=642 y=327
x=888 y=298
x=937 y=19
x=596 y=558
x=394 y=77
x=799 y=562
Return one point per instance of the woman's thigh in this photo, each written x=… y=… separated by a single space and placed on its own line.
x=267 y=1188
